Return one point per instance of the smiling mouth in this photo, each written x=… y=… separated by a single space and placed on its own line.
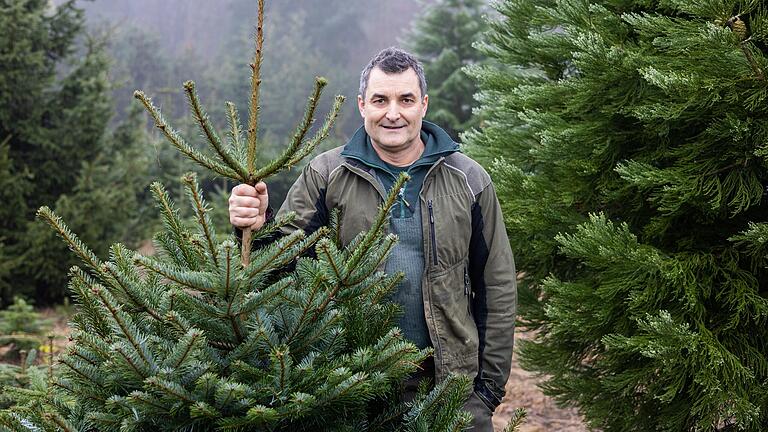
x=393 y=127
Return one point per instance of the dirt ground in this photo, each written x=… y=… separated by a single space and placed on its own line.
x=543 y=414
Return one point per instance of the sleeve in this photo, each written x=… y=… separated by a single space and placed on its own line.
x=493 y=278
x=306 y=198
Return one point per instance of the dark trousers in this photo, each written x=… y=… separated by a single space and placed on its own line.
x=481 y=415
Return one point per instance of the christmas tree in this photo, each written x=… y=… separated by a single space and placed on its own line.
x=207 y=335
x=54 y=110
x=21 y=329
x=442 y=38
x=628 y=144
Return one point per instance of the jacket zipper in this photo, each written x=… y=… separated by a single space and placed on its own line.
x=432 y=232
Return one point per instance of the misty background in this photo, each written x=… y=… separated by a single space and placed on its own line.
x=73 y=137
x=156 y=45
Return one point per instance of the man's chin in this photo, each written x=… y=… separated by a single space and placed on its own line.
x=390 y=145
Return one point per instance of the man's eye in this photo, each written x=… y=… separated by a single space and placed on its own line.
x=378 y=101
x=408 y=100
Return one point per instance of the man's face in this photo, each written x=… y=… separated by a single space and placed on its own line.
x=392 y=110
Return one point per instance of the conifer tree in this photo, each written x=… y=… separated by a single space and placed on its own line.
x=21 y=328
x=207 y=335
x=629 y=149
x=107 y=204
x=53 y=113
x=442 y=38
x=12 y=193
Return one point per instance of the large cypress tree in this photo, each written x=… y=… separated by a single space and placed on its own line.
x=628 y=141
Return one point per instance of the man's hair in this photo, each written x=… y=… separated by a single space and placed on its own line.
x=393 y=60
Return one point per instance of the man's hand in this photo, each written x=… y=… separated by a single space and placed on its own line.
x=248 y=206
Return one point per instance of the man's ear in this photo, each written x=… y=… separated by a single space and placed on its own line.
x=361 y=105
x=425 y=103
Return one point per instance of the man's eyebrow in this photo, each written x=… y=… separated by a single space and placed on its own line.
x=404 y=95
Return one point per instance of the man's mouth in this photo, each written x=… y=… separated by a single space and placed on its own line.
x=392 y=127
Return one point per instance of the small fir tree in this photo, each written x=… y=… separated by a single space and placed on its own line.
x=630 y=155
x=210 y=336
x=21 y=329
x=442 y=38
x=18 y=378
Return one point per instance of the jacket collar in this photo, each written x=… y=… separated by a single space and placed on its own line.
x=437 y=143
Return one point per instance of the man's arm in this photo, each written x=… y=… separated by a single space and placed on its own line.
x=493 y=277
x=306 y=198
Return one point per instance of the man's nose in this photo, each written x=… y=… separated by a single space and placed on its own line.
x=393 y=112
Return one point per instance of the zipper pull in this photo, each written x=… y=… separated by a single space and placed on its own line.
x=466 y=282
x=431 y=216
x=432 y=233
x=401 y=194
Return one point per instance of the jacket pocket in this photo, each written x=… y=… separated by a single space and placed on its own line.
x=449 y=222
x=457 y=337
x=490 y=398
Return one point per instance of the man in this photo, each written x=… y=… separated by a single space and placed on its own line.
x=459 y=293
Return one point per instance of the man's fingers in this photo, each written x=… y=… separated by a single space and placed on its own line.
x=242 y=201
x=248 y=205
x=261 y=189
x=245 y=212
x=242 y=222
x=245 y=190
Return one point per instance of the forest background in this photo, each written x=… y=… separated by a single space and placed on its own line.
x=96 y=172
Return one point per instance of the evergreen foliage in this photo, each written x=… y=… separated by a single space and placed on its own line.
x=54 y=111
x=630 y=157
x=21 y=328
x=13 y=189
x=190 y=339
x=442 y=39
x=18 y=378
x=207 y=335
x=310 y=40
x=109 y=202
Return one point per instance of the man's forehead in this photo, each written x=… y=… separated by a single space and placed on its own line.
x=380 y=82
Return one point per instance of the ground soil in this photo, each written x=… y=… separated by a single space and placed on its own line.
x=542 y=413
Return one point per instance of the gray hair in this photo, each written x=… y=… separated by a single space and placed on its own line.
x=393 y=60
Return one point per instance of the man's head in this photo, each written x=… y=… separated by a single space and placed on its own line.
x=393 y=100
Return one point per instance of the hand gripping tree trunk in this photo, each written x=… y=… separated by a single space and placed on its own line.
x=237 y=160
